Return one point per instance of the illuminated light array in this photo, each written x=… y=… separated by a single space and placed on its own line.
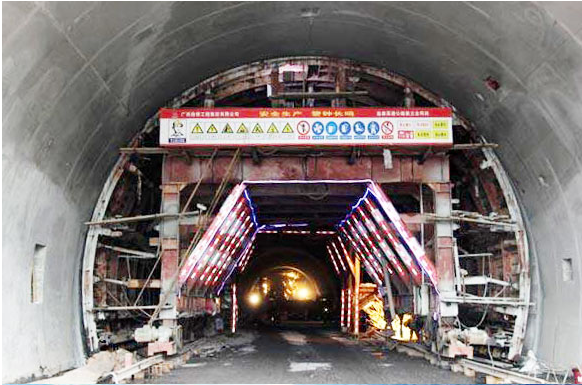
x=312 y=181
x=333 y=261
x=207 y=238
x=245 y=256
x=343 y=246
x=366 y=263
x=246 y=259
x=349 y=302
x=361 y=254
x=300 y=232
x=231 y=267
x=369 y=268
x=239 y=219
x=252 y=207
x=231 y=250
x=364 y=250
x=357 y=310
x=361 y=234
x=371 y=227
x=242 y=229
x=234 y=249
x=339 y=257
x=245 y=253
x=218 y=236
x=213 y=263
x=234 y=309
x=400 y=249
x=418 y=252
x=343 y=309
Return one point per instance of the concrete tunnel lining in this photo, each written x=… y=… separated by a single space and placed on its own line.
x=80 y=79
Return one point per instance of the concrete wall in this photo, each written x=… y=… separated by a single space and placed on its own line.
x=80 y=78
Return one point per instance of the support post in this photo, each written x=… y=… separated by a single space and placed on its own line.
x=169 y=234
x=357 y=296
x=388 y=288
x=444 y=262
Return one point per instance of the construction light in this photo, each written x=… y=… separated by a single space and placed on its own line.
x=254 y=299
x=303 y=294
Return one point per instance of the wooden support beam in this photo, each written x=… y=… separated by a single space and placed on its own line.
x=139 y=283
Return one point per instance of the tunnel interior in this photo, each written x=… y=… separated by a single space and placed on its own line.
x=81 y=81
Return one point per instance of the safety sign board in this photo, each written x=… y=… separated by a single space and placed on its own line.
x=188 y=127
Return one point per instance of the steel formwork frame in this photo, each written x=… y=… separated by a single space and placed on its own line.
x=215 y=257
x=227 y=82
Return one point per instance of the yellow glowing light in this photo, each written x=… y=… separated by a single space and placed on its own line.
x=302 y=294
x=401 y=331
x=292 y=275
x=254 y=299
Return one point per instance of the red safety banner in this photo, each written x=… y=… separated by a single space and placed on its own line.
x=235 y=127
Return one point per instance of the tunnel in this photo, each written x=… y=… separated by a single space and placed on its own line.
x=83 y=85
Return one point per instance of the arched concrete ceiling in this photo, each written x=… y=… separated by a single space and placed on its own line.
x=79 y=79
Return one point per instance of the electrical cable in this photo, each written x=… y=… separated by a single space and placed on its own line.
x=267 y=153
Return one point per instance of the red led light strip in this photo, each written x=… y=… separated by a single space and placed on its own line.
x=208 y=236
x=333 y=261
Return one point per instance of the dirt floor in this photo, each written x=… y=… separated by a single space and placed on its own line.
x=304 y=354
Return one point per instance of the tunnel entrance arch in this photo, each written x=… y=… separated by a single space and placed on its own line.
x=422 y=175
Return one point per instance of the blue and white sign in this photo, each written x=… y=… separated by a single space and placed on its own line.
x=345 y=128
x=331 y=128
x=317 y=128
x=373 y=128
x=359 y=128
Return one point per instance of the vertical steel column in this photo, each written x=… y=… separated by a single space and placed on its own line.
x=445 y=264
x=276 y=87
x=234 y=309
x=340 y=86
x=169 y=234
x=357 y=271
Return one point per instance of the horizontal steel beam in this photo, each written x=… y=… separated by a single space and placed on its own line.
x=504 y=374
x=126 y=251
x=318 y=95
x=202 y=152
x=434 y=169
x=122 y=308
x=139 y=218
x=485 y=300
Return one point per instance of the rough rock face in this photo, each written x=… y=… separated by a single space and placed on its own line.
x=96 y=367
